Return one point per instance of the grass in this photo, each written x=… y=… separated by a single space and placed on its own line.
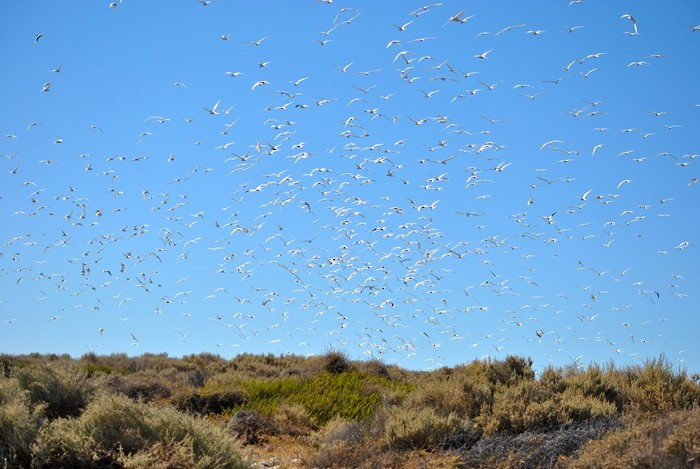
x=329 y=411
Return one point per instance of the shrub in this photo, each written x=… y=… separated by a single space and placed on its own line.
x=19 y=424
x=508 y=412
x=251 y=427
x=212 y=403
x=292 y=419
x=197 y=378
x=421 y=429
x=336 y=362
x=374 y=367
x=63 y=387
x=657 y=388
x=534 y=449
x=510 y=370
x=668 y=441
x=143 y=386
x=116 y=431
x=596 y=383
x=345 y=443
x=340 y=430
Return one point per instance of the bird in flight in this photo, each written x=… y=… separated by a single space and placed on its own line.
x=214 y=109
x=483 y=54
x=255 y=43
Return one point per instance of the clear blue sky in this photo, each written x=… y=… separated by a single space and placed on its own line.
x=390 y=179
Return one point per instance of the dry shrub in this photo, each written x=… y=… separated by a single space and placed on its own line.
x=658 y=388
x=374 y=367
x=247 y=365
x=146 y=386
x=115 y=431
x=421 y=429
x=336 y=362
x=19 y=424
x=292 y=419
x=670 y=441
x=251 y=427
x=340 y=430
x=62 y=386
x=345 y=443
x=212 y=402
x=508 y=413
x=597 y=383
x=534 y=449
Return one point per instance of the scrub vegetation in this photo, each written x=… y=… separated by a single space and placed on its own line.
x=202 y=411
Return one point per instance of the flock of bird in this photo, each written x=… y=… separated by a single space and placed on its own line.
x=403 y=199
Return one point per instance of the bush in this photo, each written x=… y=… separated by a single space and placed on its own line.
x=535 y=449
x=292 y=419
x=658 y=388
x=212 y=403
x=115 y=431
x=143 y=386
x=344 y=443
x=336 y=362
x=420 y=429
x=669 y=441
x=19 y=424
x=251 y=427
x=64 y=388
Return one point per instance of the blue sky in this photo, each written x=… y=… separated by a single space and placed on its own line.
x=394 y=180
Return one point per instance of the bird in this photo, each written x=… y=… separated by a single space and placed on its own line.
x=624 y=181
x=457 y=18
x=402 y=27
x=632 y=19
x=255 y=43
x=214 y=109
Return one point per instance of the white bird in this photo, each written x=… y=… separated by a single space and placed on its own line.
x=402 y=27
x=213 y=110
x=458 y=18
x=298 y=82
x=596 y=148
x=483 y=54
x=255 y=43
x=632 y=19
x=583 y=197
x=624 y=181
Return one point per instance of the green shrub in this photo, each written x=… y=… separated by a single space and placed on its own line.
x=116 y=431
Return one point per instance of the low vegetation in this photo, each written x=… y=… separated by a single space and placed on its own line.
x=328 y=411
